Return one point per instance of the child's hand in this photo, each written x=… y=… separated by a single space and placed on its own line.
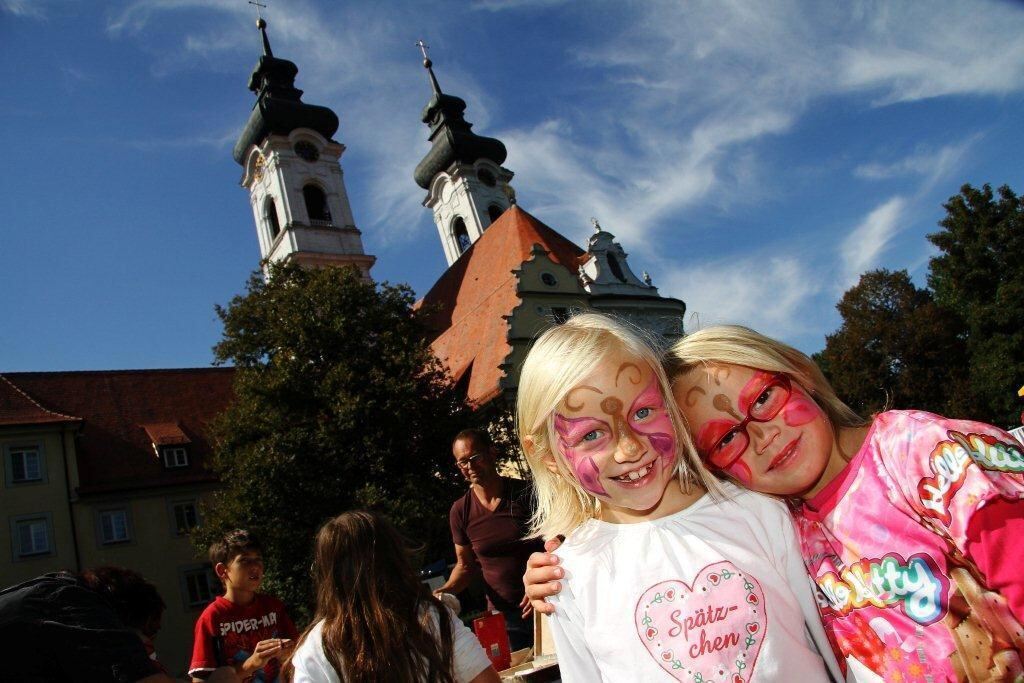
x=265 y=651
x=541 y=578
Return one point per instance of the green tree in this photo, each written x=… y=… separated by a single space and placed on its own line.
x=339 y=404
x=895 y=348
x=979 y=274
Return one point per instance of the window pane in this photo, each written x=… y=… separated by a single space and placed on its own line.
x=32 y=537
x=18 y=465
x=114 y=524
x=25 y=539
x=40 y=543
x=32 y=465
x=184 y=517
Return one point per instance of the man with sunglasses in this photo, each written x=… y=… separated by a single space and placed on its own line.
x=488 y=524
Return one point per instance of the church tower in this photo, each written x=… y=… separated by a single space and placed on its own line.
x=295 y=183
x=467 y=187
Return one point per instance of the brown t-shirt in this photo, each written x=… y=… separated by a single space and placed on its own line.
x=496 y=540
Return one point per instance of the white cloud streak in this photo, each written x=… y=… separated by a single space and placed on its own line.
x=769 y=294
x=681 y=98
x=861 y=249
x=923 y=162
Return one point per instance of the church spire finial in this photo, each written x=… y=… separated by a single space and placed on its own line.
x=261 y=24
x=429 y=66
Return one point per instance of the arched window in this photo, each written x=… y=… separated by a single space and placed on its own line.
x=460 y=234
x=270 y=215
x=613 y=263
x=494 y=211
x=316 y=206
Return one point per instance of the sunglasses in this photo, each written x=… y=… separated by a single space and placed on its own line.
x=769 y=403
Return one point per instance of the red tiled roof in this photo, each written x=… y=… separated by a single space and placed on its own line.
x=18 y=408
x=465 y=307
x=113 y=448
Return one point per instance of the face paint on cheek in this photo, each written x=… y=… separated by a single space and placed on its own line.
x=800 y=410
x=658 y=428
x=740 y=472
x=583 y=466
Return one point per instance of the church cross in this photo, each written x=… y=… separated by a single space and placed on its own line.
x=597 y=226
x=258 y=7
x=423 y=48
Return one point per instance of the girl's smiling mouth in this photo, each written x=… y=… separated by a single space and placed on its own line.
x=785 y=456
x=637 y=477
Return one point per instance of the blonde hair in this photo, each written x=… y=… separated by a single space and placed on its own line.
x=560 y=359
x=737 y=345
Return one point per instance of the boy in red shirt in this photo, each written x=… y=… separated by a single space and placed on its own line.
x=247 y=630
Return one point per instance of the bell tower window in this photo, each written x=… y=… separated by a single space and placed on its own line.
x=460 y=234
x=316 y=206
x=494 y=211
x=270 y=215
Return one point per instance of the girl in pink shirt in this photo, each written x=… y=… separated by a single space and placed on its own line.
x=907 y=522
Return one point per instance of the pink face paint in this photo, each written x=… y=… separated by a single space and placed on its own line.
x=657 y=426
x=800 y=409
x=571 y=431
x=710 y=433
x=752 y=389
x=740 y=472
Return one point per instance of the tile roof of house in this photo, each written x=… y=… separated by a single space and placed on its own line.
x=18 y=408
x=465 y=307
x=114 y=450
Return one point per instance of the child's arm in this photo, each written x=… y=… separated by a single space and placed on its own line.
x=575 y=661
x=204 y=649
x=965 y=482
x=264 y=651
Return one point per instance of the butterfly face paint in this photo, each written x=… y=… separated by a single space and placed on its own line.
x=761 y=428
x=615 y=435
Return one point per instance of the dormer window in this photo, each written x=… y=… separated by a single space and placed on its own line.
x=170 y=443
x=175 y=456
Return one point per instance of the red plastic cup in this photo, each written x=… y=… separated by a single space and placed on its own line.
x=490 y=631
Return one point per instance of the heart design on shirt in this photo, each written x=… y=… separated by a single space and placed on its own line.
x=708 y=630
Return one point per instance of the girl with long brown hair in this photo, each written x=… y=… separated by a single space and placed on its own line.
x=375 y=621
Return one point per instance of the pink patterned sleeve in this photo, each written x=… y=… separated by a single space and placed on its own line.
x=966 y=480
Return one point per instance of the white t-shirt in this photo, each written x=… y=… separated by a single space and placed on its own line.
x=312 y=666
x=716 y=592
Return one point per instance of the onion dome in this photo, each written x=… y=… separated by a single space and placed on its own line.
x=279 y=108
x=451 y=136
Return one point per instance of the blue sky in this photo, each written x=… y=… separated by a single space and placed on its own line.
x=754 y=157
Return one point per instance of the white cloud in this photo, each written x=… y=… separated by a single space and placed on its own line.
x=681 y=96
x=29 y=9
x=769 y=294
x=502 y=5
x=862 y=247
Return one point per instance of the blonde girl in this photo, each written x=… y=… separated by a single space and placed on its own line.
x=662 y=581
x=910 y=523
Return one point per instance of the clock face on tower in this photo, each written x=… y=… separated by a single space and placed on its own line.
x=306 y=150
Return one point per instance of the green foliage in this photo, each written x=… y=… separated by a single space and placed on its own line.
x=895 y=349
x=956 y=348
x=339 y=404
x=979 y=274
